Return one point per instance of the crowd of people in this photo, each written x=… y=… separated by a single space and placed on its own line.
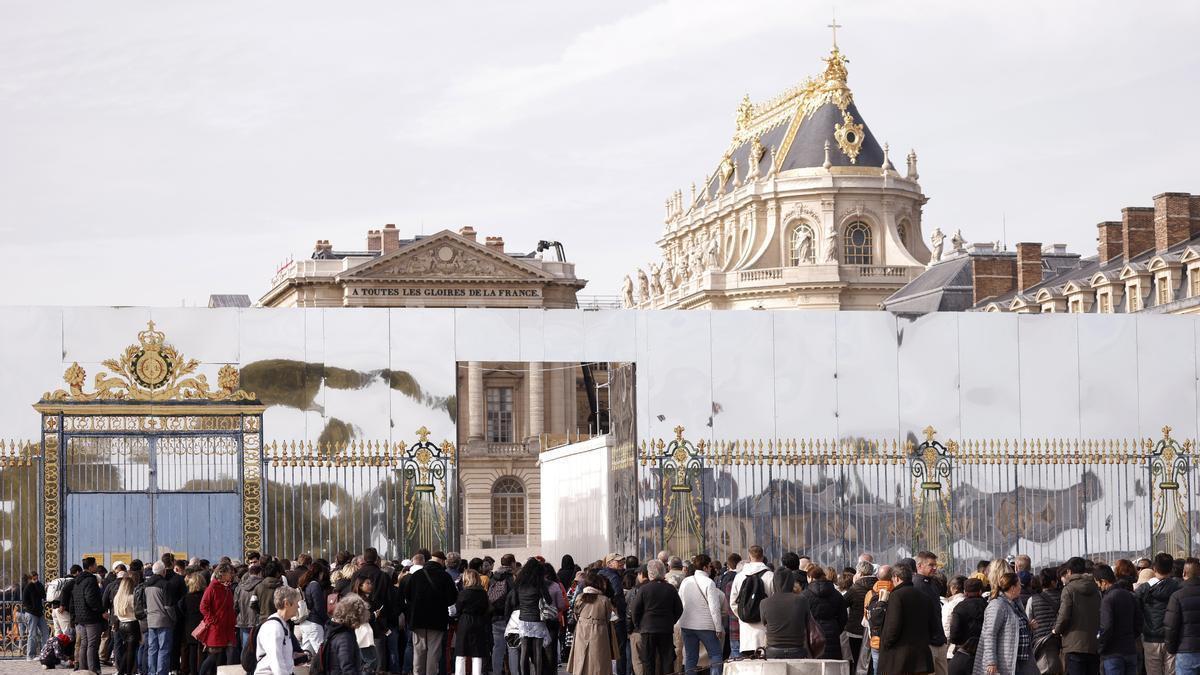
x=436 y=613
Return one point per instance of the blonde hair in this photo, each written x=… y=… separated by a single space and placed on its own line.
x=470 y=579
x=123 y=600
x=996 y=570
x=195 y=582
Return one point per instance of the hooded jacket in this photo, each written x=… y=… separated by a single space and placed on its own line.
x=854 y=602
x=1120 y=622
x=752 y=635
x=247 y=617
x=86 y=604
x=1078 y=619
x=160 y=606
x=1154 y=599
x=1182 y=622
x=828 y=607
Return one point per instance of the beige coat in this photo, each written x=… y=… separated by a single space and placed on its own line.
x=594 y=648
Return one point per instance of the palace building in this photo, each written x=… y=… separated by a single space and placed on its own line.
x=1148 y=261
x=805 y=209
x=439 y=270
x=506 y=412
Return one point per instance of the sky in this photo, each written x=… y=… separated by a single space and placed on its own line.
x=152 y=153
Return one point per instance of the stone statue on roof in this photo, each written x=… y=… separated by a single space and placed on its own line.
x=656 y=286
x=627 y=292
x=831 y=245
x=643 y=285
x=714 y=251
x=956 y=242
x=937 y=239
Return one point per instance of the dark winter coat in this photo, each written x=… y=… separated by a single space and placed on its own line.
x=911 y=626
x=1182 y=622
x=266 y=597
x=379 y=583
x=473 y=637
x=655 y=608
x=966 y=623
x=1153 y=600
x=191 y=613
x=828 y=607
x=428 y=593
x=340 y=651
x=33 y=598
x=855 y=600
x=1120 y=622
x=527 y=600
x=87 y=607
x=247 y=617
x=315 y=597
x=1078 y=619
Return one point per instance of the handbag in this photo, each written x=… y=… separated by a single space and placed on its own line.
x=201 y=631
x=1047 y=654
x=816 y=638
x=548 y=610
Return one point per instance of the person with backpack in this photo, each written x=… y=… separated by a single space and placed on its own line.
x=501 y=582
x=750 y=587
x=247 y=615
x=87 y=613
x=1153 y=597
x=272 y=645
x=339 y=653
x=875 y=612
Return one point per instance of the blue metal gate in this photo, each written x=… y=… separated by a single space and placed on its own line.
x=138 y=496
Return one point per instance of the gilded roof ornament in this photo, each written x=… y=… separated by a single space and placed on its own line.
x=849 y=136
x=151 y=370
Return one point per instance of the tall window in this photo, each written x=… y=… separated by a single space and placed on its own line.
x=802 y=246
x=1163 y=291
x=1194 y=277
x=856 y=249
x=500 y=415
x=1105 y=303
x=508 y=507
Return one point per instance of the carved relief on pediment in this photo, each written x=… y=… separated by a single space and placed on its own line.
x=444 y=260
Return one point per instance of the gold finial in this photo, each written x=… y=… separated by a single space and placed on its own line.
x=1166 y=432
x=929 y=432
x=423 y=433
x=745 y=113
x=679 y=433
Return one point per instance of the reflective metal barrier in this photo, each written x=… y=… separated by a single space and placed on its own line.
x=966 y=500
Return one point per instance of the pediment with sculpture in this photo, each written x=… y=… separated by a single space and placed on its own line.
x=444 y=256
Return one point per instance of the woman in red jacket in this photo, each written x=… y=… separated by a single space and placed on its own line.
x=217 y=609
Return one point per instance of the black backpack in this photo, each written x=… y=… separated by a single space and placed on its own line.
x=497 y=594
x=750 y=596
x=876 y=612
x=139 y=602
x=250 y=649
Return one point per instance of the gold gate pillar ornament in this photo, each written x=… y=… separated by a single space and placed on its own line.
x=931 y=467
x=149 y=389
x=1170 y=479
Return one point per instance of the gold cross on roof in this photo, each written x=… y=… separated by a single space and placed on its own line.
x=834 y=26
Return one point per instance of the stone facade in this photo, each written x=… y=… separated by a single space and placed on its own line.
x=804 y=210
x=507 y=411
x=439 y=270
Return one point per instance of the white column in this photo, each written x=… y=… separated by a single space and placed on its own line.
x=537 y=414
x=475 y=411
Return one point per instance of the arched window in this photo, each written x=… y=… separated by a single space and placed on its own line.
x=856 y=246
x=801 y=248
x=508 y=511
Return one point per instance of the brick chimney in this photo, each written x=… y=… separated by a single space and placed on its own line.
x=467 y=232
x=374 y=240
x=1195 y=209
x=992 y=275
x=1137 y=230
x=1111 y=244
x=495 y=243
x=1029 y=265
x=391 y=238
x=1172 y=220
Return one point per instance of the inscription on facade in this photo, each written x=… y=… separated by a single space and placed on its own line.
x=443 y=292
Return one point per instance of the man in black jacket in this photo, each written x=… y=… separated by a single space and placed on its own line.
x=500 y=583
x=1182 y=622
x=923 y=581
x=1153 y=597
x=1120 y=624
x=33 y=603
x=654 y=610
x=428 y=593
x=87 y=613
x=912 y=626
